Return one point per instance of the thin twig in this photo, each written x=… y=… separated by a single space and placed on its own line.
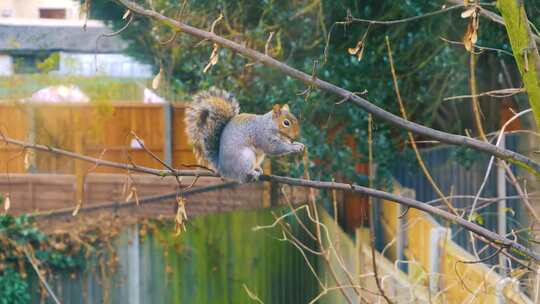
x=411 y=136
x=481 y=48
x=502 y=93
x=40 y=276
x=475 y=103
x=408 y=19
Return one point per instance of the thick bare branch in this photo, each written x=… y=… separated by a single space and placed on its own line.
x=445 y=137
x=489 y=235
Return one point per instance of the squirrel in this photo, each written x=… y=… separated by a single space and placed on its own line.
x=233 y=143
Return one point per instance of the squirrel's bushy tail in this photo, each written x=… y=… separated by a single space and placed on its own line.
x=205 y=119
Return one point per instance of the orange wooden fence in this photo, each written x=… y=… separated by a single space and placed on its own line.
x=454 y=281
x=98 y=130
x=91 y=130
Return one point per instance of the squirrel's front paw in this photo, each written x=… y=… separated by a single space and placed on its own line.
x=254 y=175
x=298 y=147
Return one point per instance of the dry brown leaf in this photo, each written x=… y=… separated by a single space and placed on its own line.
x=157 y=79
x=474 y=37
x=28 y=159
x=181 y=215
x=130 y=195
x=136 y=196
x=353 y=51
x=468 y=13
x=213 y=58
x=358 y=50
x=7 y=203
x=360 y=54
x=471 y=36
x=77 y=208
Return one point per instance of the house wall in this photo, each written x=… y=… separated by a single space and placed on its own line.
x=6 y=65
x=30 y=8
x=113 y=65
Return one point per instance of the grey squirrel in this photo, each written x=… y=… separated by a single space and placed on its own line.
x=235 y=144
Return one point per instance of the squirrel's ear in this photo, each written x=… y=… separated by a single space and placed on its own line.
x=285 y=108
x=276 y=109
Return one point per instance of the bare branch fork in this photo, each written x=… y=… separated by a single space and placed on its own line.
x=441 y=136
x=411 y=203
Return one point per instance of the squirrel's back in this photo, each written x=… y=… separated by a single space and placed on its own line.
x=205 y=119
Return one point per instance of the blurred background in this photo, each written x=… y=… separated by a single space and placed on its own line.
x=88 y=77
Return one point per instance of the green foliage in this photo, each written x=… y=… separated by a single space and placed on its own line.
x=49 y=64
x=97 y=88
x=13 y=288
x=465 y=156
x=428 y=68
x=17 y=233
x=220 y=252
x=476 y=217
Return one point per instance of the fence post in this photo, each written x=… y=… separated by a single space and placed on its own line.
x=133 y=271
x=31 y=167
x=401 y=233
x=167 y=133
x=435 y=253
x=501 y=204
x=78 y=148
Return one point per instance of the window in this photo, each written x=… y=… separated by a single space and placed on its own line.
x=52 y=13
x=35 y=63
x=6 y=13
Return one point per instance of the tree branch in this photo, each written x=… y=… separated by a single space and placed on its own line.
x=524 y=49
x=441 y=136
x=411 y=203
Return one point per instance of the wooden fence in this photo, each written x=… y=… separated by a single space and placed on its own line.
x=45 y=193
x=42 y=193
x=436 y=262
x=101 y=130
x=96 y=130
x=220 y=255
x=210 y=263
x=356 y=256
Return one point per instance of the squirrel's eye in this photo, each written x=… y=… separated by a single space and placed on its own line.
x=286 y=122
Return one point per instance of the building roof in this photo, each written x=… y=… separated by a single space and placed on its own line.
x=32 y=36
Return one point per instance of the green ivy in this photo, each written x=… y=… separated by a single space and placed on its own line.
x=13 y=288
x=17 y=232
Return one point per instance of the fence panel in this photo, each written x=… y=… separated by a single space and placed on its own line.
x=209 y=263
x=98 y=130
x=438 y=263
x=460 y=173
